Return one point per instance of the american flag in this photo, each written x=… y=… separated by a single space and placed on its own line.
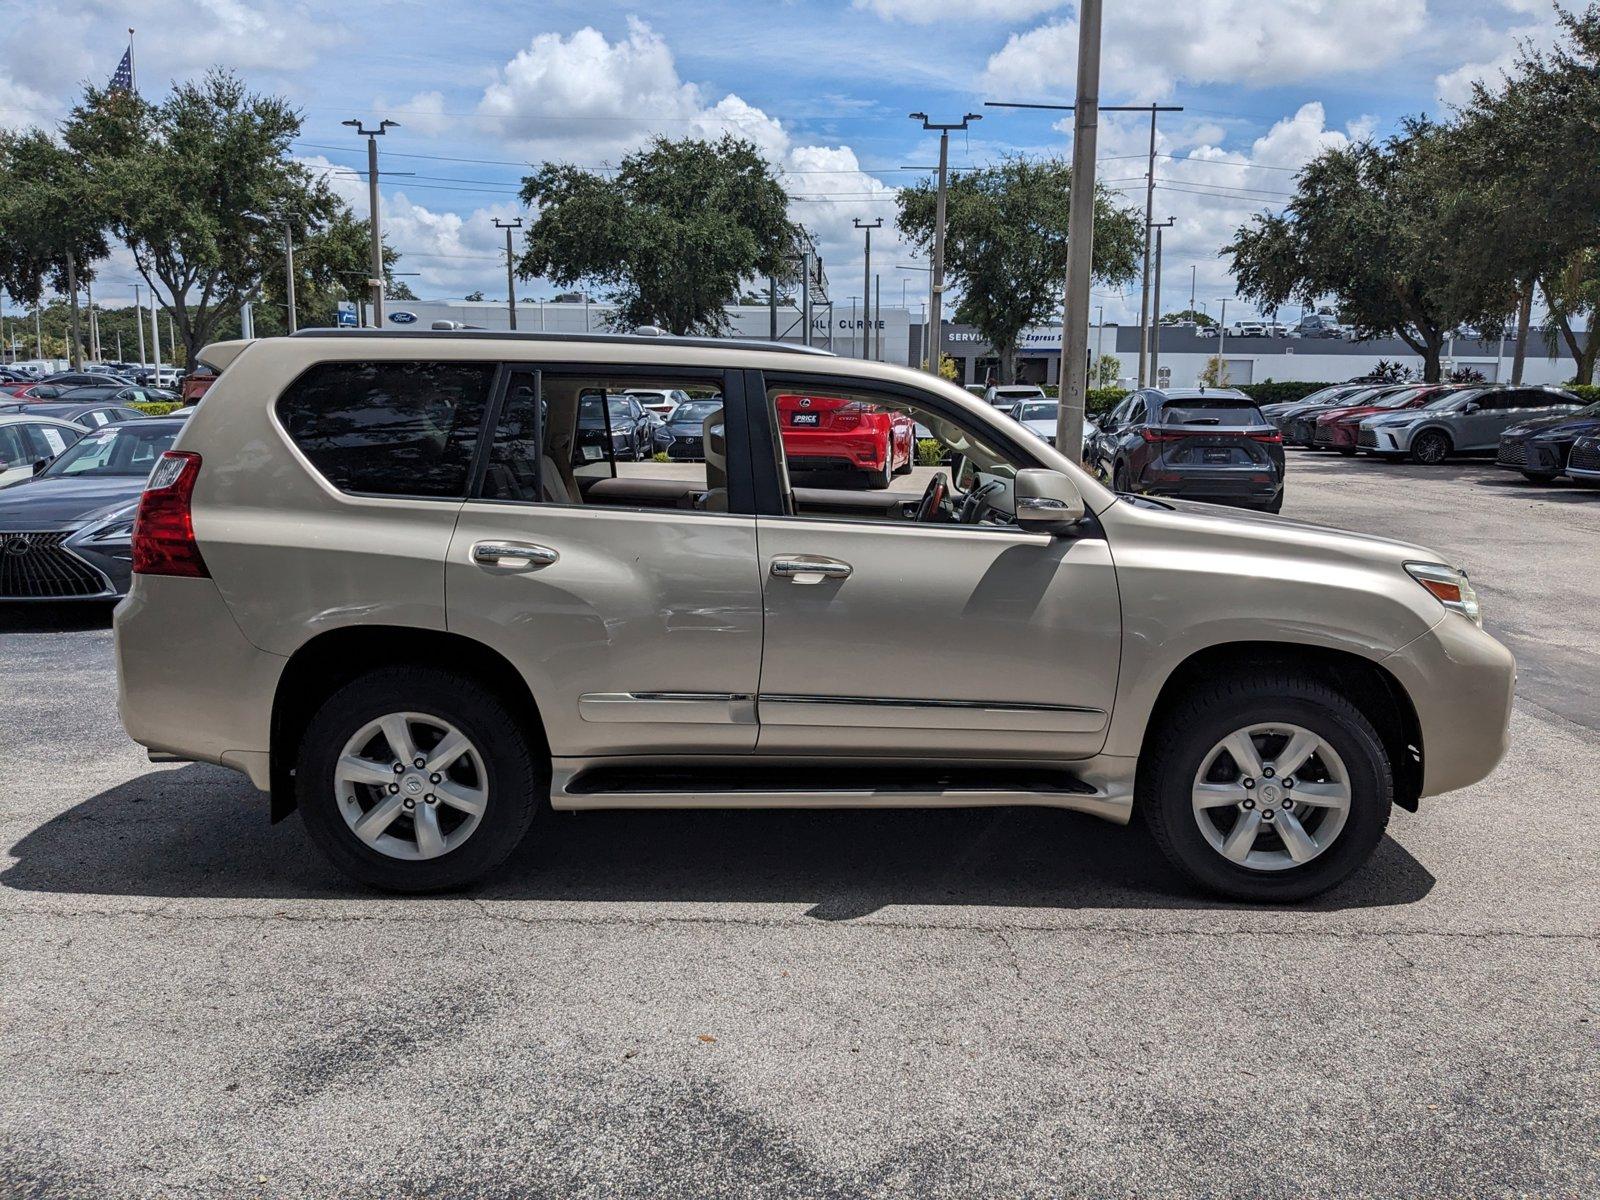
x=122 y=81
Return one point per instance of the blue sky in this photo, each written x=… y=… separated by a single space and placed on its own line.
x=822 y=87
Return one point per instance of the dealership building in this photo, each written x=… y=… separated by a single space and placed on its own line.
x=898 y=335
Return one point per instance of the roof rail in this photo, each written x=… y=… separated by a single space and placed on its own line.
x=626 y=339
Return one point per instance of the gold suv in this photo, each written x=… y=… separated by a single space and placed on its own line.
x=404 y=583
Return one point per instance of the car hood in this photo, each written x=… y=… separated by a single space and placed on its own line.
x=1567 y=425
x=1404 y=416
x=1308 y=534
x=45 y=503
x=685 y=428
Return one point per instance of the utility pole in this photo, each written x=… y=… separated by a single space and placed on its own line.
x=936 y=283
x=155 y=336
x=1149 y=217
x=866 y=275
x=38 y=331
x=511 y=283
x=1222 y=345
x=138 y=321
x=94 y=332
x=1193 y=274
x=1074 y=389
x=288 y=267
x=376 y=281
x=1155 y=328
x=75 y=354
x=1099 y=344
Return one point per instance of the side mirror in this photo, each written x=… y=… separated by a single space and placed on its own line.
x=39 y=466
x=1047 y=501
x=1471 y=406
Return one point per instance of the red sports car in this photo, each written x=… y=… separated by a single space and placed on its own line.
x=830 y=433
x=1337 y=429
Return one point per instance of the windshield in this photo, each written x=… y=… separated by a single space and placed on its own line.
x=1446 y=398
x=1038 y=411
x=130 y=450
x=1209 y=411
x=589 y=410
x=1399 y=399
x=695 y=410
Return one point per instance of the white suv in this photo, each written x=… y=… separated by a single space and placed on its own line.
x=402 y=582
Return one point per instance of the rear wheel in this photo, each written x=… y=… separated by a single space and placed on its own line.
x=883 y=476
x=1119 y=479
x=412 y=779
x=1347 y=451
x=1266 y=786
x=1430 y=448
x=1536 y=477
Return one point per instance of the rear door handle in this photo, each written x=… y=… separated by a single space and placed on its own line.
x=517 y=555
x=809 y=568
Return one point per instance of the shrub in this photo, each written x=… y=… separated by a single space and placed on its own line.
x=1285 y=392
x=660 y=456
x=1587 y=392
x=156 y=408
x=930 y=452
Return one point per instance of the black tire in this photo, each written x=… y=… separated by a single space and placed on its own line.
x=1119 y=479
x=1347 y=451
x=1208 y=713
x=1536 y=477
x=517 y=782
x=1430 y=447
x=1275 y=505
x=880 y=480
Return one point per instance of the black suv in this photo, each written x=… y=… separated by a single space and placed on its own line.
x=1198 y=444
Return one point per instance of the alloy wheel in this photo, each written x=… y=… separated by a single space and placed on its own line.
x=411 y=786
x=1270 y=797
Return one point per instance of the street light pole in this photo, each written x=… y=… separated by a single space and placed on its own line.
x=376 y=281
x=936 y=284
x=866 y=277
x=1222 y=345
x=1155 y=328
x=511 y=286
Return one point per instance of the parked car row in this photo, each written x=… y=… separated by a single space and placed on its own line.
x=1532 y=430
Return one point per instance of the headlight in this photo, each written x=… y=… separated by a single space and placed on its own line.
x=1449 y=587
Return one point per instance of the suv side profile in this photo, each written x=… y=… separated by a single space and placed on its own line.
x=381 y=574
x=1468 y=421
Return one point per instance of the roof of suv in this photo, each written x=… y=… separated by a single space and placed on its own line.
x=494 y=335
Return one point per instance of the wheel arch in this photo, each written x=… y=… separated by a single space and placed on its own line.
x=328 y=661
x=1366 y=684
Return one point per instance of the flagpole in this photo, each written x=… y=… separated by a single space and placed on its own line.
x=133 y=74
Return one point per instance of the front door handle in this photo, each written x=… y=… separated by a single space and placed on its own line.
x=522 y=555
x=809 y=568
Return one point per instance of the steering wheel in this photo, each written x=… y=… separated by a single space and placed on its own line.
x=976 y=505
x=933 y=497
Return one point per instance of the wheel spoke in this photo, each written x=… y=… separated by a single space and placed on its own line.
x=430 y=841
x=1295 y=838
x=1219 y=795
x=397 y=732
x=468 y=800
x=1244 y=753
x=353 y=769
x=1242 y=839
x=377 y=819
x=1333 y=794
x=1302 y=745
x=447 y=751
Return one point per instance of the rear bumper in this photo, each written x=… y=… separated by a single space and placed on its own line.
x=1218 y=487
x=188 y=682
x=826 y=450
x=1461 y=681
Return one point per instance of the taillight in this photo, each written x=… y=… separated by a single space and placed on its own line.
x=163 y=530
x=1275 y=436
x=1160 y=435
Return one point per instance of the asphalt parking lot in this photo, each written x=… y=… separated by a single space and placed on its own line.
x=1007 y=1002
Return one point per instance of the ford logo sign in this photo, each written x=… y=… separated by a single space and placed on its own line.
x=402 y=318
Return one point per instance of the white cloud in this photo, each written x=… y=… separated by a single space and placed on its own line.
x=587 y=99
x=1455 y=87
x=1157 y=44
x=924 y=12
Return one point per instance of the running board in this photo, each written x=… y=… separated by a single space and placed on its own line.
x=1089 y=787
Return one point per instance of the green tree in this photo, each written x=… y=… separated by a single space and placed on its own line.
x=1572 y=295
x=185 y=181
x=52 y=224
x=1369 y=225
x=1203 y=320
x=331 y=263
x=674 y=232
x=1006 y=244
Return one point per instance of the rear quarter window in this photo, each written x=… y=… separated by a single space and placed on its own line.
x=390 y=428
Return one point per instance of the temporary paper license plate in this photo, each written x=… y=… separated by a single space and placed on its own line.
x=593 y=453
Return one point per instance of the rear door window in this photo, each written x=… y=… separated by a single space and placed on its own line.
x=390 y=428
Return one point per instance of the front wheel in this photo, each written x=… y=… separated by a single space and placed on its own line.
x=1430 y=448
x=1266 y=787
x=413 y=779
x=1536 y=477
